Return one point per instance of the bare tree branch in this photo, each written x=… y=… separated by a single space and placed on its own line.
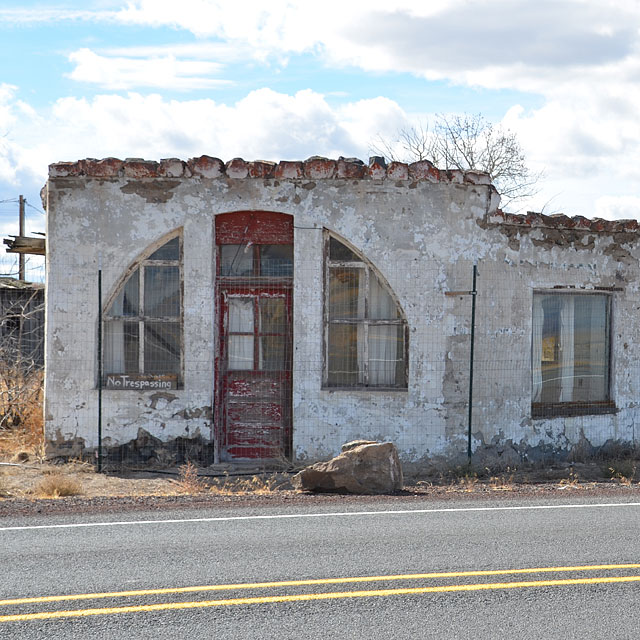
x=469 y=143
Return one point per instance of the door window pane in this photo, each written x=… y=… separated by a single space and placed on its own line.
x=273 y=317
x=240 y=315
x=241 y=353
x=276 y=260
x=236 y=260
x=272 y=353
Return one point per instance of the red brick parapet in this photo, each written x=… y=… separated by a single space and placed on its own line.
x=314 y=168
x=531 y=220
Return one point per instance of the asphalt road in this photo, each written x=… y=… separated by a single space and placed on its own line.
x=418 y=569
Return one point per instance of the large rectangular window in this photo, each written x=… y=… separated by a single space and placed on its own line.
x=570 y=354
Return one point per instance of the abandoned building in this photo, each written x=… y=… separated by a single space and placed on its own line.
x=275 y=311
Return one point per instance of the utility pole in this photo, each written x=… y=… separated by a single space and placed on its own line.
x=21 y=275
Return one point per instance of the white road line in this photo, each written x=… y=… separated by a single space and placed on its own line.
x=333 y=514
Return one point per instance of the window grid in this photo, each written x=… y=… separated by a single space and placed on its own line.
x=364 y=322
x=141 y=318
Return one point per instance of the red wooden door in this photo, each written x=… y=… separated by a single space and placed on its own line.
x=256 y=372
x=253 y=372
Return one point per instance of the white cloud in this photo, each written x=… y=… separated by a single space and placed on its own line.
x=263 y=125
x=165 y=72
x=618 y=207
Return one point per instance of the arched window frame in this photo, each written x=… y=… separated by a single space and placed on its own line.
x=365 y=379
x=142 y=370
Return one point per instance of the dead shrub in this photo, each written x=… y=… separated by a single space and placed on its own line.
x=188 y=481
x=623 y=471
x=57 y=485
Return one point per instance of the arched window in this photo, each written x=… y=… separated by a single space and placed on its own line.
x=365 y=329
x=143 y=323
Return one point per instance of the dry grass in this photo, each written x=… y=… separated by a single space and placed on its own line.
x=188 y=481
x=57 y=485
x=622 y=471
x=501 y=483
x=572 y=481
x=256 y=485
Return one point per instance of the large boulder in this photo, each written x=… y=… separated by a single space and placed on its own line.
x=363 y=467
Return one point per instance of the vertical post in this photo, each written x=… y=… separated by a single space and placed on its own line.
x=99 y=363
x=473 y=335
x=21 y=274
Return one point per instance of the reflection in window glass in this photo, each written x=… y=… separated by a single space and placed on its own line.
x=272 y=353
x=343 y=368
x=340 y=252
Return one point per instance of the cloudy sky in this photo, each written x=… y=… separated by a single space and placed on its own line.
x=287 y=79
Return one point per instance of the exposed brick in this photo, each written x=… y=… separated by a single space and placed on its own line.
x=64 y=169
x=398 y=171
x=350 y=168
x=173 y=168
x=206 y=167
x=424 y=170
x=377 y=168
x=561 y=221
x=138 y=168
x=288 y=170
x=105 y=168
x=237 y=168
x=580 y=222
x=453 y=175
x=318 y=168
x=477 y=177
x=261 y=169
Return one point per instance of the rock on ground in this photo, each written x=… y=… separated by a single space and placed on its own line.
x=363 y=467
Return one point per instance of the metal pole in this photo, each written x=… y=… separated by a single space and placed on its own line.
x=99 y=364
x=473 y=335
x=21 y=274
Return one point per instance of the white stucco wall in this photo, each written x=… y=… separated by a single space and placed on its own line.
x=422 y=233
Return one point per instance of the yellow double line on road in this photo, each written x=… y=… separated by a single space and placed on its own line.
x=314 y=596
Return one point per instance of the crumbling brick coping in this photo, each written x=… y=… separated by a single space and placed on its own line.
x=559 y=221
x=314 y=168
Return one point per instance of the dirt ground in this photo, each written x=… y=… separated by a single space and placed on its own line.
x=35 y=488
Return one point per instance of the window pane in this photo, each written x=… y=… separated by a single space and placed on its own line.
x=240 y=352
x=162 y=292
x=272 y=353
x=236 y=260
x=162 y=347
x=273 y=317
x=386 y=355
x=338 y=251
x=126 y=302
x=570 y=350
x=276 y=260
x=343 y=368
x=168 y=251
x=381 y=304
x=346 y=293
x=241 y=315
x=121 y=347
